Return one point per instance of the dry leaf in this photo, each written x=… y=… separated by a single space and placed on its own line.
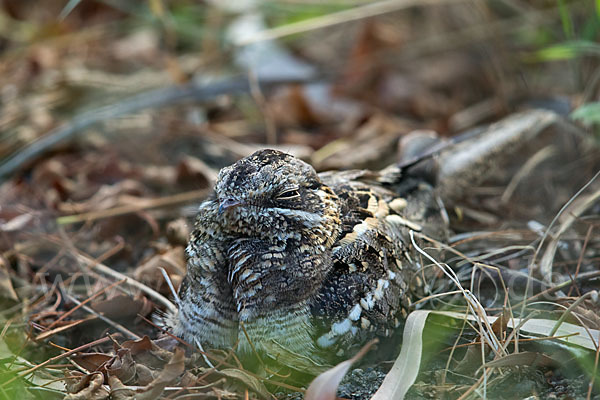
x=406 y=367
x=324 y=386
x=107 y=196
x=499 y=326
x=247 y=380
x=91 y=361
x=123 y=306
x=173 y=261
x=138 y=346
x=89 y=387
x=178 y=232
x=118 y=391
x=170 y=372
x=144 y=374
x=194 y=171
x=471 y=360
x=122 y=366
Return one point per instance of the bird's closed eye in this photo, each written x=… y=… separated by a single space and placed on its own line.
x=288 y=194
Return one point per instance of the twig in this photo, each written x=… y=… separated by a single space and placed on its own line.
x=591 y=384
x=553 y=289
x=472 y=302
x=130 y=208
x=148 y=99
x=545 y=265
x=580 y=260
x=99 y=267
x=167 y=279
x=568 y=312
x=55 y=358
x=71 y=311
x=112 y=323
x=525 y=170
x=94 y=264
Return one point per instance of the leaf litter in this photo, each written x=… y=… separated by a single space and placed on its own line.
x=89 y=221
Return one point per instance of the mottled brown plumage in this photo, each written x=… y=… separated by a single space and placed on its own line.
x=313 y=263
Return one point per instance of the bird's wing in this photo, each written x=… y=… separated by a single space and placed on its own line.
x=366 y=289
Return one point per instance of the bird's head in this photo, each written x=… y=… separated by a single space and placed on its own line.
x=271 y=194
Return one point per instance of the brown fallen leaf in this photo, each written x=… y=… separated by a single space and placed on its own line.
x=146 y=352
x=193 y=171
x=107 y=196
x=138 y=346
x=144 y=375
x=122 y=366
x=472 y=359
x=118 y=391
x=170 y=372
x=371 y=146
x=290 y=107
x=324 y=386
x=91 y=361
x=88 y=387
x=499 y=326
x=173 y=261
x=123 y=306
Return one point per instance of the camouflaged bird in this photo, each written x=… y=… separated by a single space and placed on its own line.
x=311 y=263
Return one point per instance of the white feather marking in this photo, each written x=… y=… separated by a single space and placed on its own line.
x=339 y=328
x=381 y=285
x=238 y=267
x=355 y=313
x=245 y=274
x=326 y=340
x=361 y=228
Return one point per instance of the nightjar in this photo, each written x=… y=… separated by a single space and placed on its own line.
x=306 y=262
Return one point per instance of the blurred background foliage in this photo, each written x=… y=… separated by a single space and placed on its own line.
x=354 y=76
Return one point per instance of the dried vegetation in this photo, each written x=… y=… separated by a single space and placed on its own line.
x=115 y=117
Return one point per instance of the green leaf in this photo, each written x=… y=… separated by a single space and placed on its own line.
x=568 y=50
x=565 y=18
x=588 y=114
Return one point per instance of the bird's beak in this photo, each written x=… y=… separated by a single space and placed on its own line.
x=227 y=204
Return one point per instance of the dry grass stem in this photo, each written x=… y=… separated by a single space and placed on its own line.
x=144 y=204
